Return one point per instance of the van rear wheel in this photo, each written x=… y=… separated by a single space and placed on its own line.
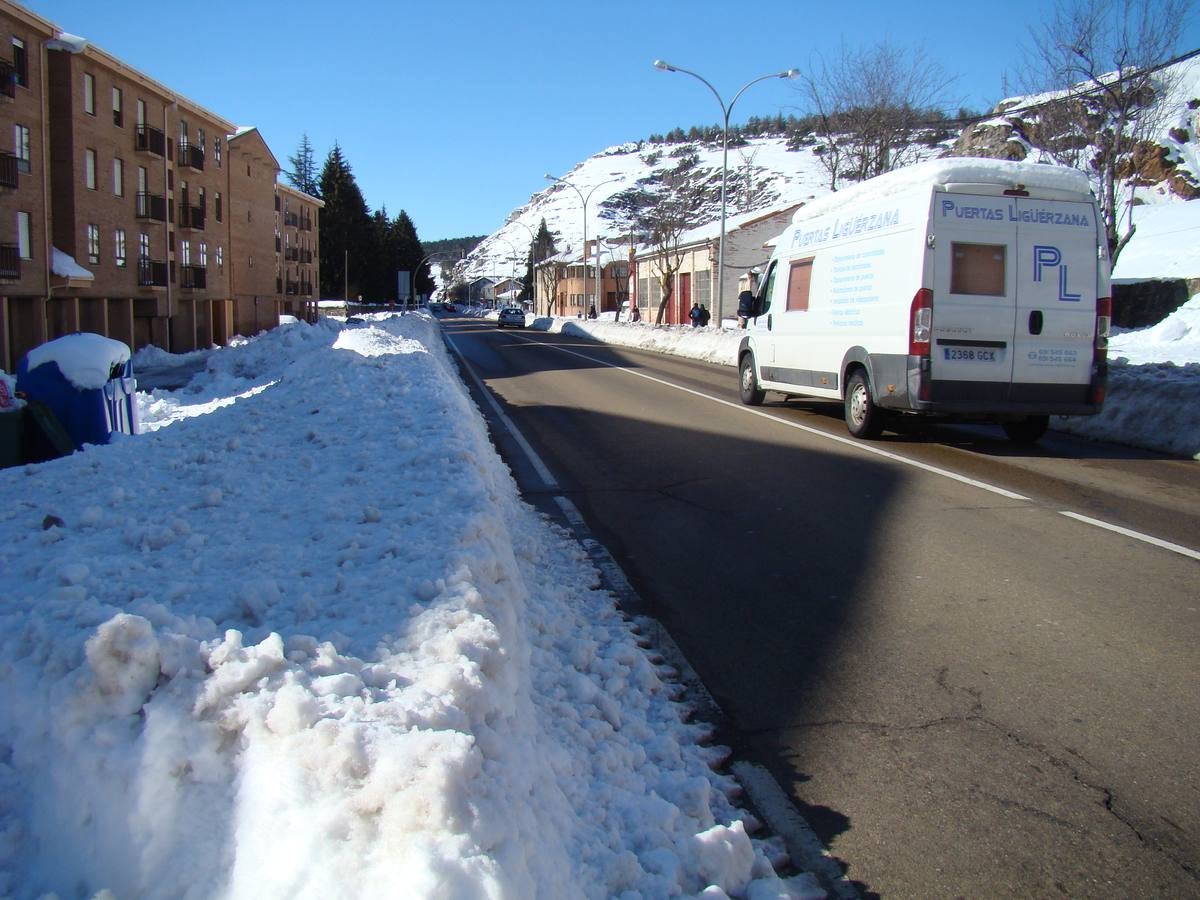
x=752 y=394
x=863 y=417
x=1027 y=431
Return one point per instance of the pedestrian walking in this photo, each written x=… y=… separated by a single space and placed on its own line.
x=705 y=316
x=694 y=315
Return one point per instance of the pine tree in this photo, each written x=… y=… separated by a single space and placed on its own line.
x=303 y=175
x=345 y=228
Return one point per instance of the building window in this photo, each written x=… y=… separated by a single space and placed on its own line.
x=118 y=177
x=217 y=205
x=200 y=198
x=200 y=139
x=183 y=132
x=143 y=246
x=118 y=116
x=20 y=63
x=93 y=244
x=141 y=111
x=701 y=286
x=248 y=216
x=217 y=151
x=185 y=252
x=89 y=160
x=799 y=282
x=220 y=258
x=25 y=235
x=203 y=248
x=251 y=262
x=21 y=140
x=119 y=246
x=89 y=94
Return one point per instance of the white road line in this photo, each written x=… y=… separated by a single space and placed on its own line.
x=849 y=442
x=543 y=471
x=1136 y=535
x=886 y=454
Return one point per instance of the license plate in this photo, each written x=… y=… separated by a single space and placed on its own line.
x=973 y=354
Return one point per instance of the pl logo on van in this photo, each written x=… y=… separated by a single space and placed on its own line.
x=1047 y=257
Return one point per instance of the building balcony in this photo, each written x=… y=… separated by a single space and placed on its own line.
x=276 y=203
x=193 y=278
x=291 y=220
x=278 y=245
x=292 y=288
x=10 y=261
x=152 y=207
x=152 y=273
x=9 y=171
x=191 y=217
x=279 y=285
x=292 y=254
x=8 y=80
x=306 y=289
x=305 y=256
x=305 y=223
x=148 y=139
x=191 y=155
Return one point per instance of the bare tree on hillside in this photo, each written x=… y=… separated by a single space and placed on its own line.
x=675 y=200
x=1102 y=59
x=868 y=106
x=550 y=275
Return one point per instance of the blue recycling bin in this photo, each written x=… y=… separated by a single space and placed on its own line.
x=86 y=380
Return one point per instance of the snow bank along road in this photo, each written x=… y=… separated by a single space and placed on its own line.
x=964 y=690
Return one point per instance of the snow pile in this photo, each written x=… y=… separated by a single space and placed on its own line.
x=1153 y=387
x=310 y=643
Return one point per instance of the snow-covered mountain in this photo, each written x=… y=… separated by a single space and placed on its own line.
x=764 y=173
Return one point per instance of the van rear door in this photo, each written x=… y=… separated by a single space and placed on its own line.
x=974 y=298
x=1056 y=300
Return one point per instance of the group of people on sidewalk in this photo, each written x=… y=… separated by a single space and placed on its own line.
x=699 y=315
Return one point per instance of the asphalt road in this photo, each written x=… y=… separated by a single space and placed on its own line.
x=964 y=691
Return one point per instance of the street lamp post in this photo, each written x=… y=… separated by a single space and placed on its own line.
x=512 y=259
x=584 y=200
x=725 y=110
x=532 y=259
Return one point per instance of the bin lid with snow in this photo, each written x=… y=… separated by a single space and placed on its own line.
x=86 y=360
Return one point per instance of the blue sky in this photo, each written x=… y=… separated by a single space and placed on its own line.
x=454 y=112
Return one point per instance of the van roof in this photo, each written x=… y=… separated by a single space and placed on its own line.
x=953 y=170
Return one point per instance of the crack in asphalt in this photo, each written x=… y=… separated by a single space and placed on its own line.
x=1109 y=797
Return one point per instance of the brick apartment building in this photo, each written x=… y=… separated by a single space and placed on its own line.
x=129 y=210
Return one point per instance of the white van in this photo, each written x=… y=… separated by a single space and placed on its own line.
x=971 y=289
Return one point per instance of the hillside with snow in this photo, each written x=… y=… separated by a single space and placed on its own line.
x=764 y=174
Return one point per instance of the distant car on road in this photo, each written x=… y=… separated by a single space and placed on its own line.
x=511 y=315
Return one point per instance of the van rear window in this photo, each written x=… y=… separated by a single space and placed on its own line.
x=799 y=280
x=977 y=269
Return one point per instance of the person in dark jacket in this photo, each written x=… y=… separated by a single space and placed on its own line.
x=705 y=316
x=745 y=308
x=694 y=315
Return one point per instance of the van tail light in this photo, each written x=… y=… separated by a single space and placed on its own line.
x=920 y=323
x=1103 y=323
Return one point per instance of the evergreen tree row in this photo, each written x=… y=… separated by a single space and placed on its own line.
x=361 y=252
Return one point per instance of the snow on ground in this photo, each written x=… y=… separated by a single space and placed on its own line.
x=1153 y=381
x=301 y=638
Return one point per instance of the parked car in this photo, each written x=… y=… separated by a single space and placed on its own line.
x=511 y=315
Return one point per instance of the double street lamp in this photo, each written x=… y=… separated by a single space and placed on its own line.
x=725 y=110
x=584 y=200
